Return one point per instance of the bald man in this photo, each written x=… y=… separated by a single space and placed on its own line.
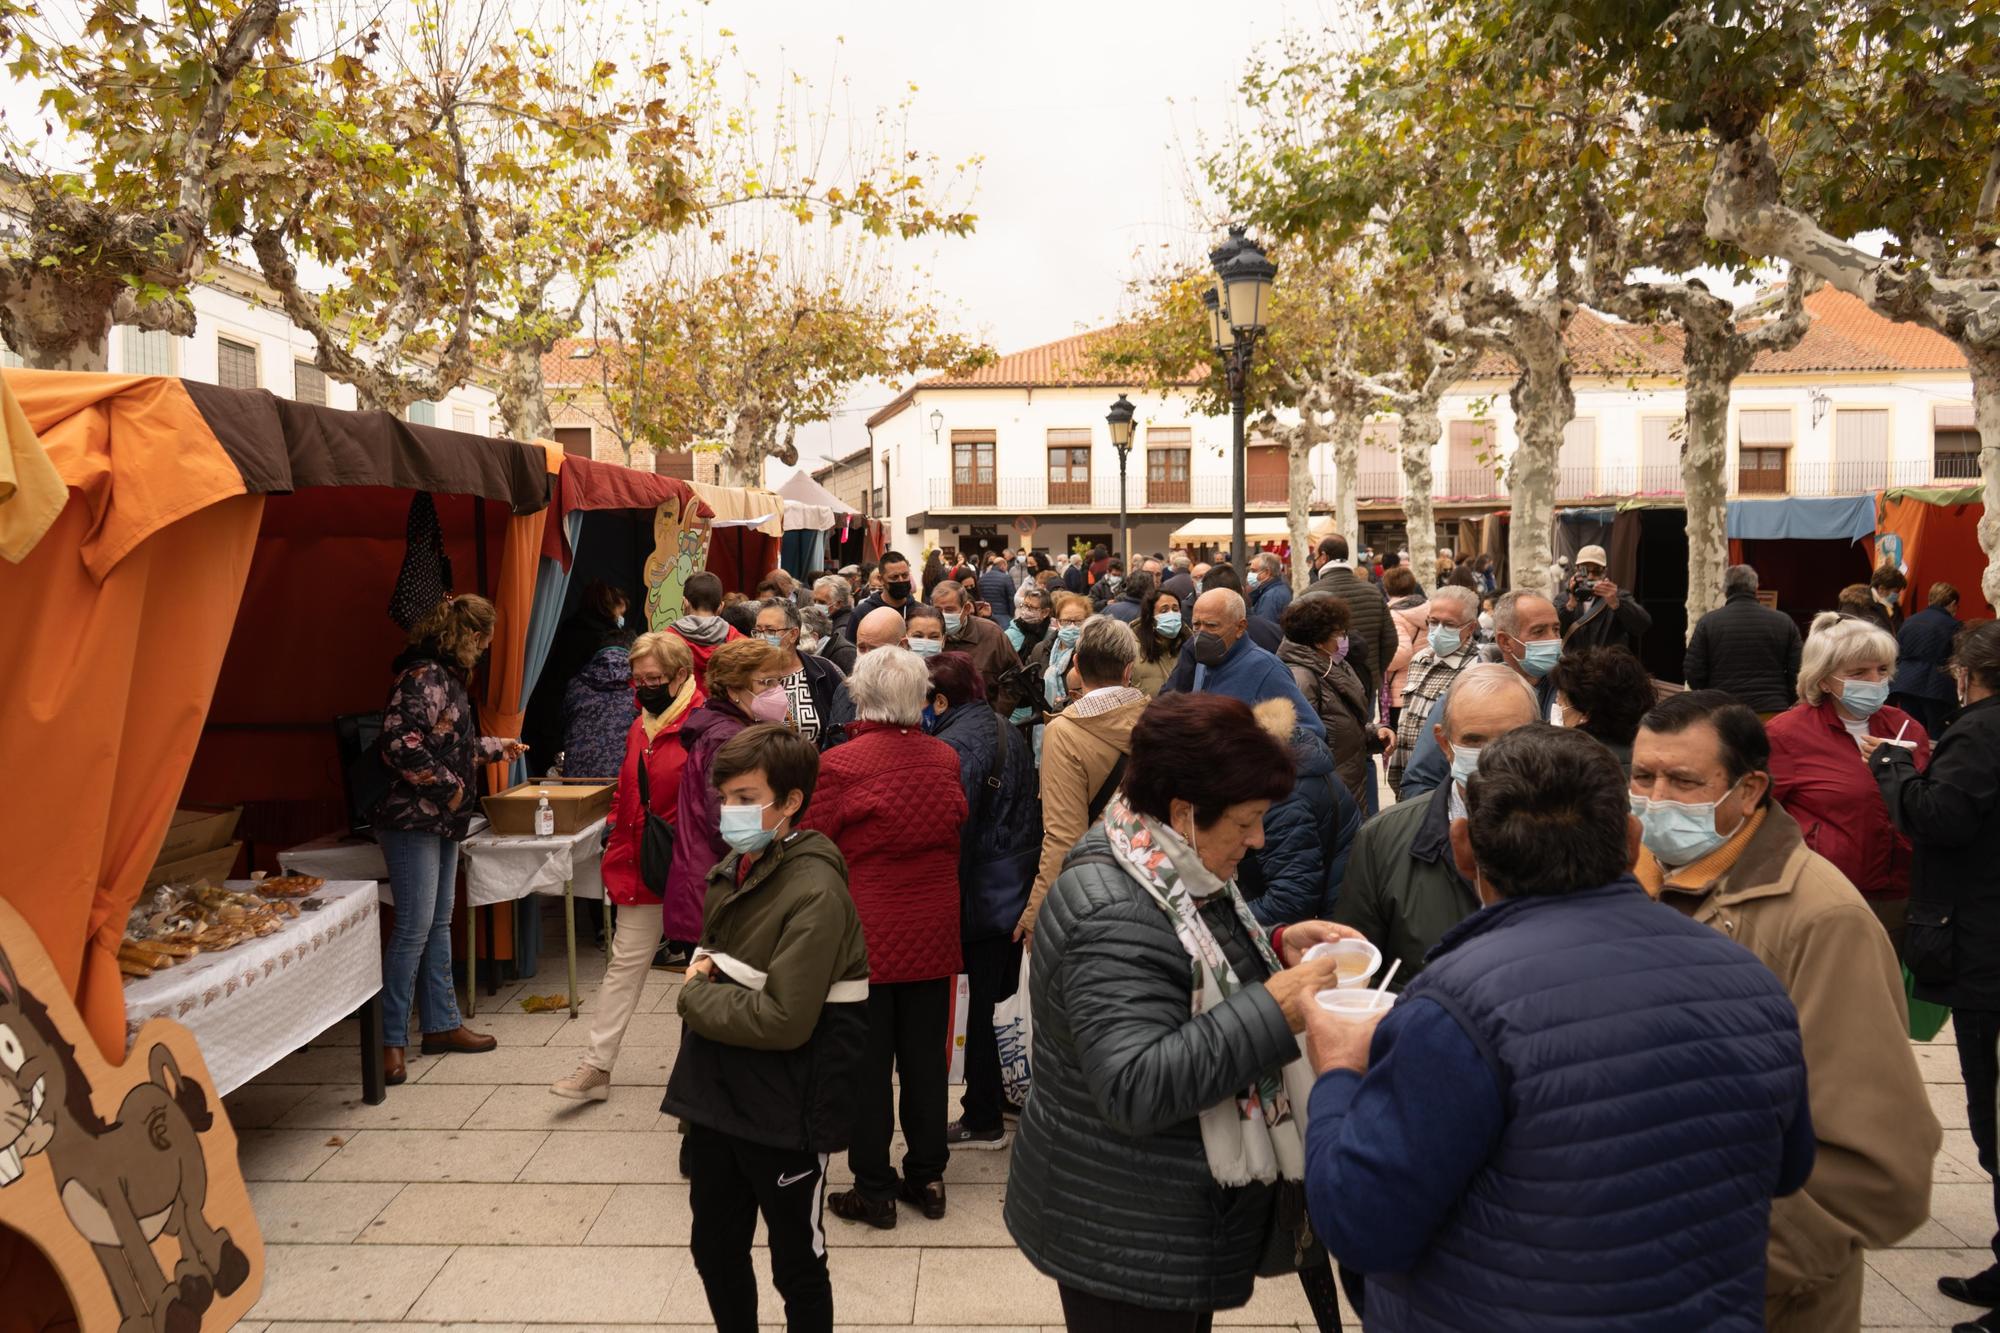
x=881 y=628
x=1403 y=889
x=1529 y=637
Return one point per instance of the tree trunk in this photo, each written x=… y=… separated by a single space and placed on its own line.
x=1543 y=405
x=1347 y=428
x=523 y=394
x=1421 y=428
x=1704 y=474
x=1985 y=365
x=56 y=325
x=1299 y=494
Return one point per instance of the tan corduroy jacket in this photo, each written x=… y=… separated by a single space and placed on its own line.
x=1079 y=750
x=1871 y=1182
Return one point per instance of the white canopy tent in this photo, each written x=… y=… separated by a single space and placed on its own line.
x=1199 y=530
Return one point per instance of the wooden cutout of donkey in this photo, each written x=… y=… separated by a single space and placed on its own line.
x=123 y=1183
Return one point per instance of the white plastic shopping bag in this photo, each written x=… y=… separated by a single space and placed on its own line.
x=1014 y=1028
x=961 y=1002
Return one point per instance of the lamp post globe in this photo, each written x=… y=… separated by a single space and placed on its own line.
x=1119 y=418
x=1238 y=306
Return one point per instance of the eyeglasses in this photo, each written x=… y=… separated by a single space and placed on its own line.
x=768 y=682
x=649 y=682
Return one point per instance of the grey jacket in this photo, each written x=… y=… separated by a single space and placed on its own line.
x=1369 y=622
x=1110 y=1189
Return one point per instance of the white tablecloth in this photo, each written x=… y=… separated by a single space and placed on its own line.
x=252 y=1005
x=341 y=856
x=499 y=869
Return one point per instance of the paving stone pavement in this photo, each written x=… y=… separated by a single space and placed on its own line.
x=473 y=1200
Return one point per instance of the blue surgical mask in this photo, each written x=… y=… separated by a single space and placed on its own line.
x=929 y=718
x=926 y=647
x=1021 y=715
x=1863 y=697
x=1197 y=586
x=1250 y=579
x=953 y=622
x=775 y=640
x=1168 y=624
x=743 y=828
x=1444 y=640
x=1677 y=832
x=1068 y=635
x=1464 y=761
x=1539 y=656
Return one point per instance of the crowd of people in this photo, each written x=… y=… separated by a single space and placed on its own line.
x=1640 y=1058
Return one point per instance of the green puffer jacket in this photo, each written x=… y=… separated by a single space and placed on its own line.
x=1109 y=1189
x=1402 y=889
x=773 y=1039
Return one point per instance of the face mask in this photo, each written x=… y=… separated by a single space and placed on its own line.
x=953 y=622
x=1540 y=657
x=1464 y=761
x=897 y=589
x=1444 y=640
x=1250 y=580
x=1021 y=715
x=1067 y=635
x=1209 y=649
x=1678 y=832
x=926 y=647
x=775 y=640
x=1864 y=697
x=1486 y=621
x=770 y=705
x=1168 y=624
x=620 y=622
x=1340 y=649
x=1197 y=586
x=1029 y=618
x=811 y=645
x=930 y=717
x=1112 y=581
x=654 y=698
x=742 y=827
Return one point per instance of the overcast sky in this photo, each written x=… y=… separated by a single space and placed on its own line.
x=1085 y=112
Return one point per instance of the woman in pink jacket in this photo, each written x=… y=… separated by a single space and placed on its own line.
x=1408 y=607
x=663 y=680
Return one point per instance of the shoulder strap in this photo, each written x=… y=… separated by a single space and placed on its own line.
x=645 y=784
x=1110 y=785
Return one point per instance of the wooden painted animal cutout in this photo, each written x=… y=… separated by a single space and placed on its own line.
x=142 y=1211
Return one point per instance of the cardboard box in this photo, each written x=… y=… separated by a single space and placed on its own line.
x=578 y=803
x=198 y=829
x=213 y=866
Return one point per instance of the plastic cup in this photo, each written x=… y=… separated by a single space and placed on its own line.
x=1348 y=950
x=1355 y=1004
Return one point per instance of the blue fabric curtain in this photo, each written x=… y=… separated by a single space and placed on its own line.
x=1831 y=519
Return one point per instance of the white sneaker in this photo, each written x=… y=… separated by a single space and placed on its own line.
x=587 y=1084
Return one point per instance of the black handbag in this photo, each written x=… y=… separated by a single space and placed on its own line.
x=1929 y=943
x=656 y=835
x=1290 y=1244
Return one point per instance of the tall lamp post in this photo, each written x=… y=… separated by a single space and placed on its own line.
x=1120 y=420
x=1237 y=307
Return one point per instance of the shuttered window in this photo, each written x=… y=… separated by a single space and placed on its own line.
x=145 y=351
x=308 y=383
x=235 y=364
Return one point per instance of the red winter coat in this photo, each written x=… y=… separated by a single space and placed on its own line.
x=891 y=801
x=664 y=757
x=1818 y=775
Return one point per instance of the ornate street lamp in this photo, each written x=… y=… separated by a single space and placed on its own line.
x=1119 y=418
x=1237 y=308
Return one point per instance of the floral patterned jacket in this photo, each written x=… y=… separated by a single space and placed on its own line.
x=430 y=745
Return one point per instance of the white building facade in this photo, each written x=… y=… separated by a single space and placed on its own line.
x=1018 y=453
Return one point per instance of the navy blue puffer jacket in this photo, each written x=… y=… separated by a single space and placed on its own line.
x=1651 y=1070
x=1296 y=874
x=1002 y=843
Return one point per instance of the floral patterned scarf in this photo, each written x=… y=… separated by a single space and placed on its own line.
x=1259 y=1134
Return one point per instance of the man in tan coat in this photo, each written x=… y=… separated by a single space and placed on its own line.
x=1718 y=849
x=1084 y=746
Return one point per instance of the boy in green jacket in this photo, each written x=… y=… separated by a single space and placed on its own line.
x=775 y=1018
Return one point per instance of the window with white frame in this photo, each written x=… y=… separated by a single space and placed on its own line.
x=1860 y=448
x=1377 y=469
x=145 y=351
x=1954 y=443
x=462 y=420
x=1763 y=450
x=1659 y=454
x=1576 y=465
x=308 y=383
x=235 y=363
x=423 y=412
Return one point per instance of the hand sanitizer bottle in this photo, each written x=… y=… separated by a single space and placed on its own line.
x=545 y=819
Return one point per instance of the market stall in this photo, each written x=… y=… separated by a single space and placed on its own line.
x=212 y=535
x=817 y=524
x=1933 y=536
x=745 y=535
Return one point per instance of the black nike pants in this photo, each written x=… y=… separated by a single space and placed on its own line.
x=731 y=1180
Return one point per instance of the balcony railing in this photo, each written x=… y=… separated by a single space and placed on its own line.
x=1574 y=485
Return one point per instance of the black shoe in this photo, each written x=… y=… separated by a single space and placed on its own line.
x=957 y=1135
x=1986 y=1323
x=1979 y=1289
x=930 y=1198
x=849 y=1206
x=672 y=954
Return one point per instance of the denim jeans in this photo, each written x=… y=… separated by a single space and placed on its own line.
x=423 y=874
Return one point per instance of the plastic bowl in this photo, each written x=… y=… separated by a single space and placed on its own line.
x=1350 y=949
x=1355 y=1003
